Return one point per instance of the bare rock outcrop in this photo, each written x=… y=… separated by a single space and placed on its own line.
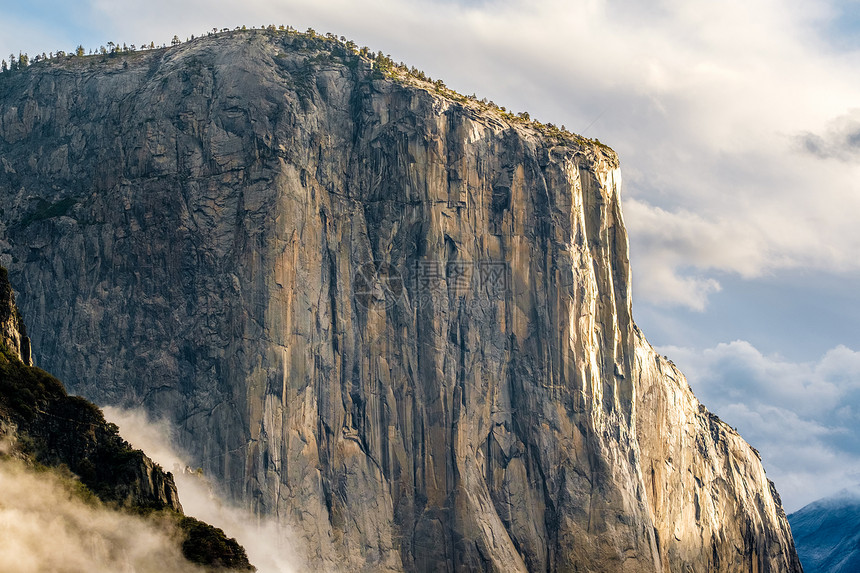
x=398 y=319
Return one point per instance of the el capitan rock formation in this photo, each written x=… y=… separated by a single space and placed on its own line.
x=190 y=230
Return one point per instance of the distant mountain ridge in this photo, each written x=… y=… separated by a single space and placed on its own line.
x=827 y=533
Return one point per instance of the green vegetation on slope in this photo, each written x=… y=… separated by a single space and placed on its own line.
x=209 y=546
x=25 y=390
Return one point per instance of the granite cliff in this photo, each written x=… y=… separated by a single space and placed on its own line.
x=396 y=318
x=13 y=332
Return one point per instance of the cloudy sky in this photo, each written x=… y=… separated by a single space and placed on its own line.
x=738 y=127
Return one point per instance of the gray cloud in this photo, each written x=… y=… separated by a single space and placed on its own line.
x=840 y=140
x=802 y=416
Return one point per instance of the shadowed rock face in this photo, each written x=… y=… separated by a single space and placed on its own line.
x=399 y=322
x=43 y=427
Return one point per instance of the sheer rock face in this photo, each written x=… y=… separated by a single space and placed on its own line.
x=192 y=232
x=712 y=506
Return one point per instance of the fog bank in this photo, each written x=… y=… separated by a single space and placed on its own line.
x=269 y=544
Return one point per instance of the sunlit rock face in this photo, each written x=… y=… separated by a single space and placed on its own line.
x=398 y=320
x=13 y=333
